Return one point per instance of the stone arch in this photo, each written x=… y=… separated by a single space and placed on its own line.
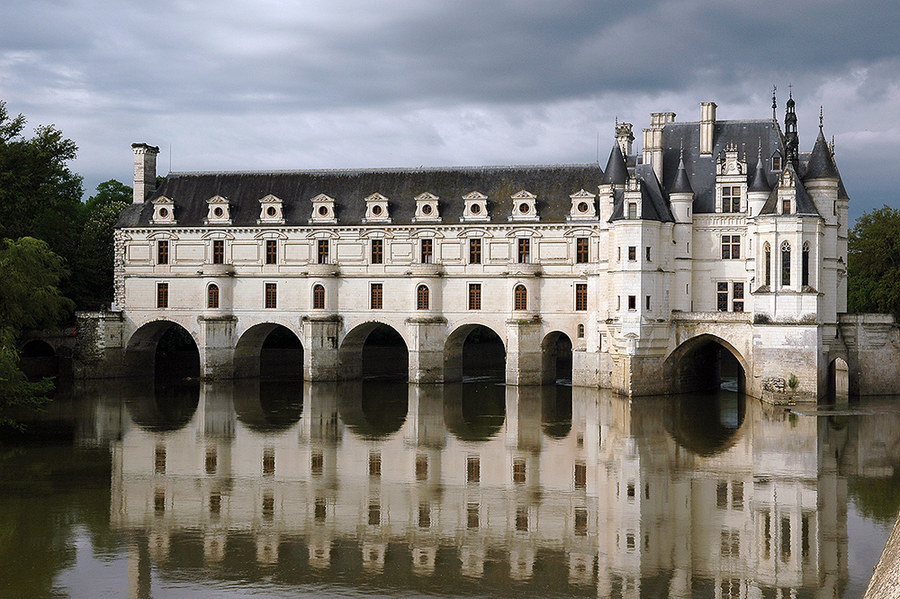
x=556 y=358
x=38 y=359
x=269 y=350
x=167 y=340
x=358 y=358
x=838 y=386
x=696 y=364
x=455 y=362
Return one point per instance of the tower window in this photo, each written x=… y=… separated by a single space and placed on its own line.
x=632 y=210
x=632 y=253
x=422 y=297
x=767 y=263
x=804 y=265
x=632 y=302
x=580 y=333
x=785 y=264
x=785 y=206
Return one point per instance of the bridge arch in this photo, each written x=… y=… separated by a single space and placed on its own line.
x=556 y=358
x=373 y=349
x=838 y=383
x=702 y=362
x=268 y=350
x=38 y=359
x=474 y=349
x=165 y=349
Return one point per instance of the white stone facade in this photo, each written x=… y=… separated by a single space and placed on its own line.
x=692 y=240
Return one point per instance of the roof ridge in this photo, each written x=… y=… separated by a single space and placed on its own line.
x=419 y=169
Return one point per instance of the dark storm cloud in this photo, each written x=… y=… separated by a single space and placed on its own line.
x=239 y=84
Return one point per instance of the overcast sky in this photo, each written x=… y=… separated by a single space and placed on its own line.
x=237 y=85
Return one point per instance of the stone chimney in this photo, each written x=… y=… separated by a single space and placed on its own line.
x=707 y=126
x=653 y=140
x=144 y=171
x=624 y=137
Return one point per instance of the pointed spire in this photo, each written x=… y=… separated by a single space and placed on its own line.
x=774 y=104
x=791 y=141
x=821 y=162
x=681 y=184
x=616 y=171
x=820 y=117
x=760 y=181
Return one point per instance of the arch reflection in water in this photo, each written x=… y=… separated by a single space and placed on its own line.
x=598 y=503
x=266 y=405
x=161 y=407
x=373 y=410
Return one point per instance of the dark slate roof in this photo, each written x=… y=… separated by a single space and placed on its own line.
x=805 y=205
x=552 y=184
x=654 y=200
x=751 y=136
x=682 y=183
x=616 y=171
x=821 y=164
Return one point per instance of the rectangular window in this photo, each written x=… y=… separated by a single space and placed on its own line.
x=580 y=297
x=218 y=251
x=580 y=475
x=374 y=463
x=162 y=251
x=785 y=206
x=731 y=247
x=632 y=253
x=377 y=251
x=519 y=470
x=737 y=296
x=632 y=210
x=162 y=295
x=647 y=254
x=271 y=295
x=731 y=199
x=524 y=254
x=271 y=251
x=427 y=251
x=722 y=296
x=647 y=303
x=375 y=296
x=632 y=302
x=581 y=250
x=474 y=251
x=473 y=469
x=474 y=296
x=322 y=251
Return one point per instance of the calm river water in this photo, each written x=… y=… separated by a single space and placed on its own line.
x=394 y=490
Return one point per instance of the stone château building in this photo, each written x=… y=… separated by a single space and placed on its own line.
x=717 y=235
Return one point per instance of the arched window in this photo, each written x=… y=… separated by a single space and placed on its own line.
x=212 y=296
x=767 y=264
x=521 y=297
x=804 y=265
x=318 y=297
x=785 y=264
x=422 y=297
x=580 y=331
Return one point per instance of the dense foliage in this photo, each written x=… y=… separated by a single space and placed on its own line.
x=29 y=299
x=874 y=263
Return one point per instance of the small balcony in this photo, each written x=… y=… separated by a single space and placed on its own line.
x=420 y=269
x=218 y=270
x=322 y=270
x=524 y=269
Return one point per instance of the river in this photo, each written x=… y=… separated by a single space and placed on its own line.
x=382 y=489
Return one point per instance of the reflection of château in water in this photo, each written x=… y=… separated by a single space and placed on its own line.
x=486 y=483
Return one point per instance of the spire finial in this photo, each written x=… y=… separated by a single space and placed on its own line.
x=774 y=103
x=790 y=90
x=820 y=117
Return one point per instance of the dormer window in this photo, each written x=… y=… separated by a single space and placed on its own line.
x=163 y=211
x=776 y=162
x=583 y=207
x=524 y=206
x=377 y=209
x=427 y=208
x=218 y=211
x=476 y=207
x=731 y=198
x=270 y=210
x=632 y=210
x=323 y=210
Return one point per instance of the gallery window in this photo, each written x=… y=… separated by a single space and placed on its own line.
x=218 y=248
x=524 y=253
x=271 y=251
x=580 y=297
x=322 y=251
x=474 y=296
x=475 y=251
x=377 y=251
x=520 y=298
x=271 y=295
x=212 y=296
x=162 y=251
x=162 y=295
x=422 y=298
x=581 y=250
x=376 y=296
x=318 y=297
x=427 y=251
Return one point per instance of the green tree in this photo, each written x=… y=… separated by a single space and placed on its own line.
x=874 y=262
x=92 y=266
x=29 y=299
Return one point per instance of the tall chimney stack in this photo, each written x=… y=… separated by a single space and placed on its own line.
x=624 y=137
x=144 y=171
x=707 y=126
